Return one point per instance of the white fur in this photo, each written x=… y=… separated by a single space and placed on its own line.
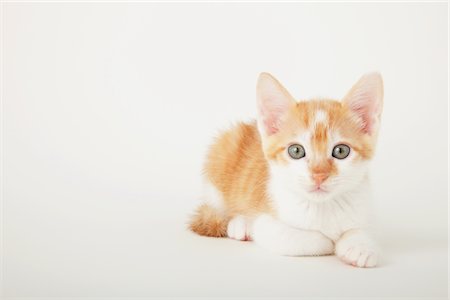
x=239 y=228
x=330 y=214
x=212 y=196
x=357 y=249
x=320 y=117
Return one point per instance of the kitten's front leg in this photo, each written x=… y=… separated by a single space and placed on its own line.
x=356 y=248
x=283 y=239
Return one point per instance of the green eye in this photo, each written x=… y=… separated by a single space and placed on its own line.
x=341 y=151
x=296 y=151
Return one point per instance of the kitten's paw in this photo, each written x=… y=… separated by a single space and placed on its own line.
x=357 y=250
x=239 y=229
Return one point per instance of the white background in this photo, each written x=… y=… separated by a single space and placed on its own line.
x=108 y=110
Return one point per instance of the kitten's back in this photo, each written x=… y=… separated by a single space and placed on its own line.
x=236 y=168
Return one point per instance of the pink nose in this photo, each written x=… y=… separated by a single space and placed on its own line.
x=319 y=178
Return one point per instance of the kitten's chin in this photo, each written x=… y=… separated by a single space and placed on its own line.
x=318 y=194
x=318 y=190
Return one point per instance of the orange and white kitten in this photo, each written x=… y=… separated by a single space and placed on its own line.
x=296 y=181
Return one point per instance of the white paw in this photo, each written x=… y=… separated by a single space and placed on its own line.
x=357 y=250
x=239 y=229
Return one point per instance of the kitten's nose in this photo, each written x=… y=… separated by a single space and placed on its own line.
x=319 y=177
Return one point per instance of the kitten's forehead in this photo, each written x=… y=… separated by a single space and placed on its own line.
x=328 y=122
x=320 y=138
x=316 y=112
x=320 y=130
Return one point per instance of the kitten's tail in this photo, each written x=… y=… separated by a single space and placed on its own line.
x=209 y=221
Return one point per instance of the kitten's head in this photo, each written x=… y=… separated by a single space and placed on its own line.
x=319 y=148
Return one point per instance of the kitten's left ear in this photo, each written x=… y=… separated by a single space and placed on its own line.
x=365 y=100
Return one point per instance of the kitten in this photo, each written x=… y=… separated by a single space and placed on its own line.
x=296 y=180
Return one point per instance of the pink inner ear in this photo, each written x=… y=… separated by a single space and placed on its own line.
x=366 y=106
x=272 y=117
x=364 y=109
x=271 y=126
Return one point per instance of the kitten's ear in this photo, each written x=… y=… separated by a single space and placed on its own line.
x=365 y=100
x=273 y=102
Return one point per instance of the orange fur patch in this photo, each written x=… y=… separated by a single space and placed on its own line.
x=237 y=168
x=209 y=222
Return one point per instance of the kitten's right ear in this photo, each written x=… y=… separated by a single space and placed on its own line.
x=273 y=102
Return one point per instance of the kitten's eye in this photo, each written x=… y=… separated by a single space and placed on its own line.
x=296 y=151
x=341 y=151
